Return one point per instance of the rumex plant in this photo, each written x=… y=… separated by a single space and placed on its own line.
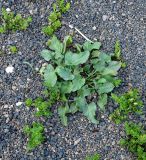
x=136 y=140
x=35 y=134
x=59 y=8
x=11 y=22
x=79 y=78
x=128 y=103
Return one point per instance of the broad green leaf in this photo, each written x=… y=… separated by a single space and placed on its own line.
x=99 y=66
x=73 y=108
x=84 y=91
x=95 y=54
x=102 y=80
x=64 y=73
x=50 y=76
x=88 y=46
x=56 y=45
x=102 y=101
x=90 y=112
x=105 y=88
x=66 y=42
x=66 y=87
x=81 y=103
x=76 y=59
x=112 y=69
x=62 y=111
x=46 y=54
x=78 y=82
x=104 y=57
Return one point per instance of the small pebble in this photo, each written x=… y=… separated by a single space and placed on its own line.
x=19 y=103
x=104 y=17
x=8 y=9
x=9 y=69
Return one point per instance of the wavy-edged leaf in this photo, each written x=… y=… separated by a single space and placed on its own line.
x=112 y=69
x=56 y=45
x=88 y=46
x=104 y=57
x=105 y=87
x=99 y=66
x=66 y=87
x=62 y=111
x=78 y=82
x=76 y=59
x=102 y=101
x=81 y=103
x=50 y=76
x=64 y=73
x=46 y=54
x=84 y=91
x=90 y=112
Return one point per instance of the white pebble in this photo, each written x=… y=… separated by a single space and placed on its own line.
x=104 y=17
x=9 y=69
x=94 y=28
x=71 y=26
x=8 y=9
x=19 y=103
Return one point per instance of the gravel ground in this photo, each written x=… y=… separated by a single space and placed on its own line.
x=104 y=20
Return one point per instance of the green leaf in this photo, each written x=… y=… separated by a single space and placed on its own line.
x=66 y=87
x=99 y=66
x=78 y=82
x=105 y=88
x=104 y=57
x=84 y=91
x=50 y=76
x=76 y=59
x=102 y=101
x=62 y=111
x=64 y=73
x=46 y=54
x=56 y=45
x=73 y=108
x=95 y=54
x=112 y=69
x=88 y=46
x=90 y=112
x=80 y=103
x=66 y=42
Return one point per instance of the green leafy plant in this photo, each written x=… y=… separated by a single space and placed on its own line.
x=128 y=103
x=136 y=140
x=35 y=134
x=12 y=22
x=93 y=157
x=79 y=78
x=13 y=49
x=59 y=8
x=41 y=105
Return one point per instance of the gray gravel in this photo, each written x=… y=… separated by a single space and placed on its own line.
x=104 y=20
